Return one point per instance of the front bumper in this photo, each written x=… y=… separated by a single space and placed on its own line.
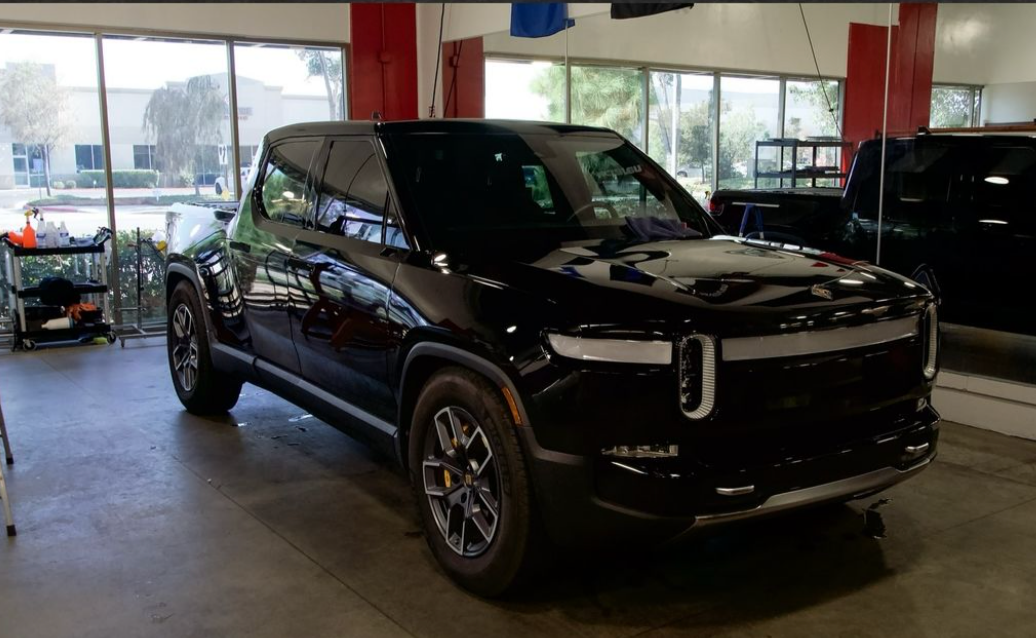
x=587 y=501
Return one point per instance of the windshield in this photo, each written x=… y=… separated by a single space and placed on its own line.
x=493 y=191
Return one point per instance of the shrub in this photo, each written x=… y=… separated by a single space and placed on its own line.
x=121 y=178
x=70 y=183
x=57 y=184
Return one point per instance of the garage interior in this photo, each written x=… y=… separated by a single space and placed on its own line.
x=136 y=518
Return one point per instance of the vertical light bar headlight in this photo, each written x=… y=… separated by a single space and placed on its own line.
x=931 y=349
x=697 y=376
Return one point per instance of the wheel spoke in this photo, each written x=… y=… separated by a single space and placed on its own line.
x=457 y=428
x=478 y=451
x=443 y=429
x=482 y=525
x=489 y=501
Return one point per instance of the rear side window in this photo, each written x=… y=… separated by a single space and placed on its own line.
x=287 y=189
x=354 y=196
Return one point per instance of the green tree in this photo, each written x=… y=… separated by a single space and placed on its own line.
x=817 y=96
x=951 y=107
x=35 y=109
x=179 y=119
x=600 y=97
x=328 y=66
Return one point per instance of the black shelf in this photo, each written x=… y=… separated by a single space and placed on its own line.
x=83 y=289
x=809 y=172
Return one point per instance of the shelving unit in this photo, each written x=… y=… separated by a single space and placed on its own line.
x=26 y=336
x=798 y=172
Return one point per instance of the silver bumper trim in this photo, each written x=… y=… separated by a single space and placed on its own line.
x=852 y=486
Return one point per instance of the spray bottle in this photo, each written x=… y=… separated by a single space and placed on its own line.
x=29 y=235
x=63 y=240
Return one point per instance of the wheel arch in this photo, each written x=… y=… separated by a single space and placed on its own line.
x=425 y=359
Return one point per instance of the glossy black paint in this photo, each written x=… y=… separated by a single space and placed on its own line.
x=350 y=329
x=973 y=237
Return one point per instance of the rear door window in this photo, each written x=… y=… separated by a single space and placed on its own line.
x=354 y=195
x=286 y=192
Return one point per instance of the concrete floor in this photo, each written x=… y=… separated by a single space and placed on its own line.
x=136 y=519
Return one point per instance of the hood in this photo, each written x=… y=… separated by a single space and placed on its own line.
x=609 y=282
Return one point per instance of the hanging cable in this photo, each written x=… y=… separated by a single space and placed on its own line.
x=438 y=60
x=453 y=82
x=823 y=86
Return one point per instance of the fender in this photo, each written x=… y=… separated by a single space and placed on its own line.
x=462 y=357
x=224 y=357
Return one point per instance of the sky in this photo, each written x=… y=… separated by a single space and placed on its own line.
x=150 y=64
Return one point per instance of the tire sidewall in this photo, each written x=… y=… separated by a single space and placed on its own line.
x=492 y=571
x=184 y=294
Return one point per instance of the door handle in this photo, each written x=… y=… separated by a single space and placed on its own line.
x=240 y=245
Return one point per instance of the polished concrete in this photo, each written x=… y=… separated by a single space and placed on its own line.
x=136 y=519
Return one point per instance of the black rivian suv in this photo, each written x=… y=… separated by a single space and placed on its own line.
x=549 y=334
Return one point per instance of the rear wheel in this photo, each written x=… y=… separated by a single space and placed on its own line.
x=201 y=388
x=470 y=480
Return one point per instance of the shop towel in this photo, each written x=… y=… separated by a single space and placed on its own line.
x=538 y=19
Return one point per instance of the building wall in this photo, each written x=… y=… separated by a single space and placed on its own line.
x=285 y=21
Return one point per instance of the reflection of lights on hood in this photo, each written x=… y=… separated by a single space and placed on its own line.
x=440 y=259
x=288 y=195
x=909 y=284
x=868 y=276
x=511 y=329
x=993 y=221
x=851 y=282
x=999 y=181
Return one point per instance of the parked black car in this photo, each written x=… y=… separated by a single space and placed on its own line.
x=550 y=335
x=958 y=217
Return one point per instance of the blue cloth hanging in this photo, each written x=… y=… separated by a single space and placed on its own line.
x=538 y=19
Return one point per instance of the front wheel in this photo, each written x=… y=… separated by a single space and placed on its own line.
x=471 y=483
x=201 y=388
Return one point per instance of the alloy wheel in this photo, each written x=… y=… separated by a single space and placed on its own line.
x=462 y=482
x=185 y=348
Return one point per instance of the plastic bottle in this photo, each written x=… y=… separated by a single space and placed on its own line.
x=41 y=233
x=61 y=323
x=52 y=235
x=63 y=240
x=28 y=235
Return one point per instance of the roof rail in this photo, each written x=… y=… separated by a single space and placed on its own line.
x=1019 y=127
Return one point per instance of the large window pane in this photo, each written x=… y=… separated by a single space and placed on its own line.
x=952 y=107
x=50 y=131
x=811 y=113
x=172 y=95
x=748 y=113
x=609 y=97
x=279 y=85
x=682 y=118
x=525 y=90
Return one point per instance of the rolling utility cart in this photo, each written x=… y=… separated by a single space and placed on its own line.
x=28 y=332
x=6 y=501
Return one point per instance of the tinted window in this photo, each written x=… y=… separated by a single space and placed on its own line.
x=491 y=192
x=354 y=194
x=287 y=187
x=920 y=177
x=1002 y=186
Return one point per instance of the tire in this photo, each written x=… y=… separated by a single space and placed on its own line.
x=487 y=565
x=681 y=173
x=201 y=388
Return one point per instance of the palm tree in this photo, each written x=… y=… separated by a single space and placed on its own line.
x=179 y=119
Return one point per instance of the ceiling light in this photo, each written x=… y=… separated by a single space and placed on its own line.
x=992 y=221
x=851 y=282
x=1001 y=181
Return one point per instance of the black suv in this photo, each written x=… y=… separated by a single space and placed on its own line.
x=550 y=335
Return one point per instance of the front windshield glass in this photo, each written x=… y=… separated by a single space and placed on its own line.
x=477 y=192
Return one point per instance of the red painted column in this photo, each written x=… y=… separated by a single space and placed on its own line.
x=910 y=74
x=383 y=60
x=865 y=81
x=910 y=91
x=464 y=79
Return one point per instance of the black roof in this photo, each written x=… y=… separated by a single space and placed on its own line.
x=487 y=127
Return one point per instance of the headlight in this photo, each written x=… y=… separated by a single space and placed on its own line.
x=658 y=353
x=697 y=374
x=931 y=352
